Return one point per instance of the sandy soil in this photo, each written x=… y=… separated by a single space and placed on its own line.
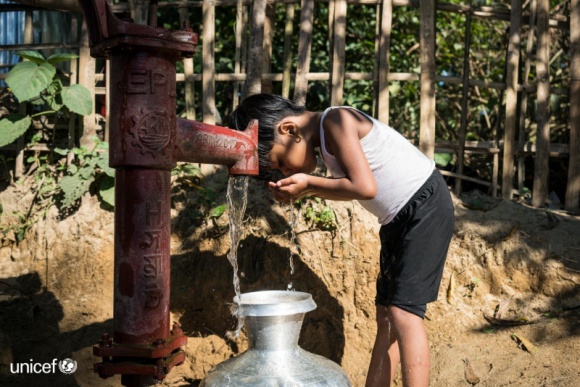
x=508 y=311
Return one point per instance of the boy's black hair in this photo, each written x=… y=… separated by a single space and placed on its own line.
x=269 y=110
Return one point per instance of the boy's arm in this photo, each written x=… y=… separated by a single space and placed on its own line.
x=301 y=185
x=343 y=129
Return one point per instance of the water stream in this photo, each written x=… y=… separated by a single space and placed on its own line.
x=237 y=197
x=294 y=249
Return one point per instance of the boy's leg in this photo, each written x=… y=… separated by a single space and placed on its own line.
x=385 y=357
x=413 y=346
x=401 y=336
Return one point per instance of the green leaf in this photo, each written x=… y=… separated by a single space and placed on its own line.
x=218 y=211
x=55 y=86
x=78 y=99
x=62 y=57
x=442 y=159
x=191 y=169
x=102 y=161
x=61 y=151
x=27 y=79
x=21 y=233
x=13 y=127
x=33 y=56
x=107 y=190
x=73 y=188
x=87 y=172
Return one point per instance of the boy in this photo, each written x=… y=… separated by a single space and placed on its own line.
x=372 y=163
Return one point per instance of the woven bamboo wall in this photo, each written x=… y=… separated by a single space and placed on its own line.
x=252 y=74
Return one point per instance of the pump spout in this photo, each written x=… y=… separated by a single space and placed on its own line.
x=209 y=144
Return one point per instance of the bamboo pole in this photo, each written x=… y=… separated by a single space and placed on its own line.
x=338 y=53
x=208 y=62
x=495 y=172
x=376 y=67
x=573 y=189
x=240 y=29
x=427 y=100
x=152 y=16
x=331 y=21
x=245 y=45
x=37 y=46
x=87 y=78
x=403 y=77
x=139 y=11
x=304 y=48
x=287 y=59
x=188 y=71
x=107 y=100
x=524 y=95
x=269 y=21
x=540 y=190
x=464 y=101
x=256 y=46
x=384 y=65
x=287 y=66
x=512 y=71
x=74 y=68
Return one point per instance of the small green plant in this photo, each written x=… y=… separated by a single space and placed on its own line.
x=63 y=184
x=186 y=176
x=320 y=216
x=90 y=166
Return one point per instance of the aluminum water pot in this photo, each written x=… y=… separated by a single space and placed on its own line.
x=272 y=320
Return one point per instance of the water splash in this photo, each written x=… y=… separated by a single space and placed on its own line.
x=237 y=197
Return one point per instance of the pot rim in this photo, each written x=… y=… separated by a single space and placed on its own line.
x=274 y=303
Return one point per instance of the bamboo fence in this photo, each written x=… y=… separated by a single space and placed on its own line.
x=252 y=74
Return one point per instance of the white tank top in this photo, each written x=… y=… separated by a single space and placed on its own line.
x=399 y=168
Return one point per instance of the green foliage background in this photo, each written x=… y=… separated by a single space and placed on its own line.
x=488 y=42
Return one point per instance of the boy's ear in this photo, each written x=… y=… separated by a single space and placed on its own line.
x=288 y=127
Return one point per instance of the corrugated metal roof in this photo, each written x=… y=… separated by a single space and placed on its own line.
x=11 y=32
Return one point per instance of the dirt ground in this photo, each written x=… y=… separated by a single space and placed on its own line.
x=508 y=311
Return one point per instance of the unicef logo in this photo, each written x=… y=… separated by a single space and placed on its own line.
x=67 y=366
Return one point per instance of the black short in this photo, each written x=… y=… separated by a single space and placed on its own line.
x=414 y=247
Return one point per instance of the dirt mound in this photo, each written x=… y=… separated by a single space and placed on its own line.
x=508 y=310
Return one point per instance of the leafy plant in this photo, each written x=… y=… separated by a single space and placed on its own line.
x=36 y=81
x=90 y=166
x=52 y=181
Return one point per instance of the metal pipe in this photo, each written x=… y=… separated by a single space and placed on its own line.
x=203 y=143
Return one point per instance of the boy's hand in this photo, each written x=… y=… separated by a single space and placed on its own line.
x=291 y=188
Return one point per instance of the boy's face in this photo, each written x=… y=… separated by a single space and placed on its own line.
x=291 y=154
